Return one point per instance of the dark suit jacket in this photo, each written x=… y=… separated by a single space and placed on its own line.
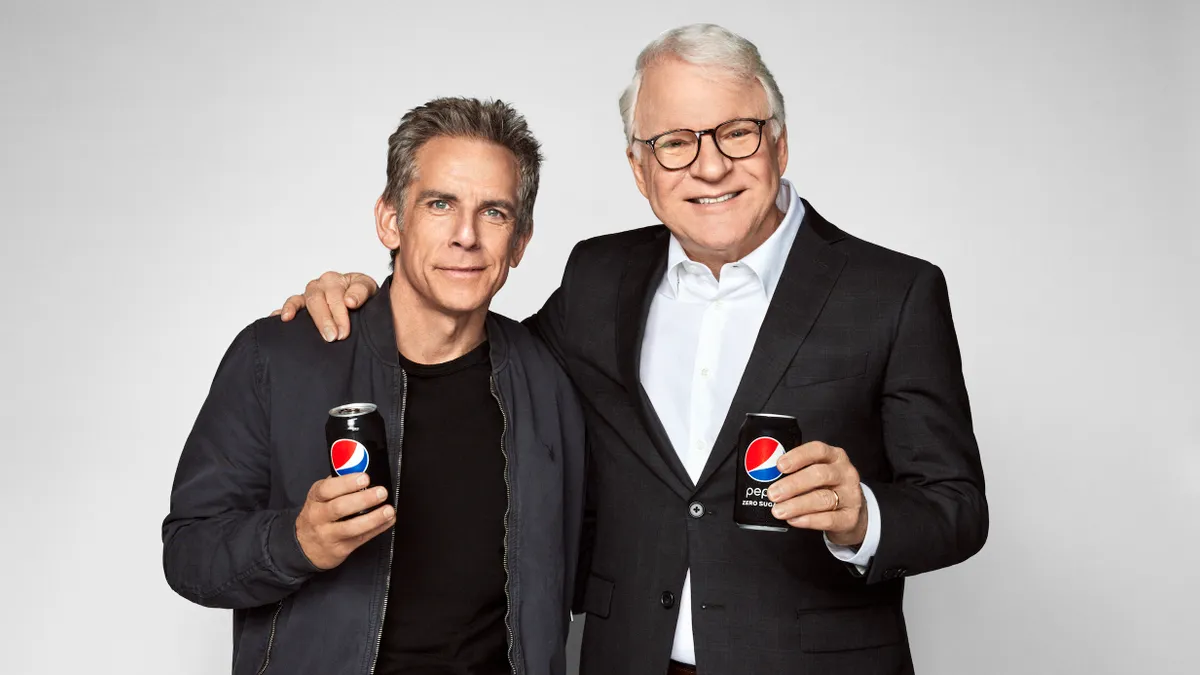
x=859 y=345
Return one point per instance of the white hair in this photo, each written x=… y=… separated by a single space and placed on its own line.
x=704 y=44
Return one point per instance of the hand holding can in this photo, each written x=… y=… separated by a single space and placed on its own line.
x=328 y=529
x=820 y=490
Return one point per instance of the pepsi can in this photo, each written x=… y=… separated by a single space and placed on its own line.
x=357 y=442
x=761 y=442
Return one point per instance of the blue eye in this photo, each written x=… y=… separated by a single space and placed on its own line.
x=493 y=213
x=440 y=204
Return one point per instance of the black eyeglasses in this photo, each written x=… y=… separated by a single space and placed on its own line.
x=736 y=139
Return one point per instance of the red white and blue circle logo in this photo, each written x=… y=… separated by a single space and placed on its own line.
x=349 y=456
x=762 y=455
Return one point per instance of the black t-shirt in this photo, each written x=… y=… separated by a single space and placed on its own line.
x=446 y=603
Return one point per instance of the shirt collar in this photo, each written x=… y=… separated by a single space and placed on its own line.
x=766 y=261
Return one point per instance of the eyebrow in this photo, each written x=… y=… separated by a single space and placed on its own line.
x=434 y=194
x=499 y=204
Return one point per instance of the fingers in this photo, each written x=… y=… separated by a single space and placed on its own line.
x=361 y=529
x=329 y=489
x=817 y=501
x=327 y=299
x=361 y=287
x=348 y=505
x=334 y=285
x=805 y=480
x=825 y=521
x=290 y=307
x=326 y=539
x=821 y=490
x=345 y=292
x=809 y=453
x=320 y=296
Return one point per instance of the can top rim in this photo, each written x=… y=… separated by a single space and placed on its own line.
x=352 y=409
x=772 y=415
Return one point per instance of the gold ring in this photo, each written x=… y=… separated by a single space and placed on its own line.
x=837 y=500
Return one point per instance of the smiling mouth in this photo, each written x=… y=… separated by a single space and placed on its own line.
x=720 y=199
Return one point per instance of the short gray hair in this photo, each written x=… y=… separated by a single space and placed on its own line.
x=704 y=44
x=459 y=117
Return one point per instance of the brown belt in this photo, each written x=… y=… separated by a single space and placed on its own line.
x=677 y=668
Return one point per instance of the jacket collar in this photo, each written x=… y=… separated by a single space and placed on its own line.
x=375 y=321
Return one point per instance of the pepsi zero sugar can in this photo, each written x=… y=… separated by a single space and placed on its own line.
x=357 y=443
x=761 y=442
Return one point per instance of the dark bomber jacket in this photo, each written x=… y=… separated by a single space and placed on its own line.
x=258 y=445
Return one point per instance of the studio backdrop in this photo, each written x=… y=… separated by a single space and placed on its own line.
x=169 y=172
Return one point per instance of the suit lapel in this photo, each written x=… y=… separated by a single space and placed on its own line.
x=643 y=271
x=808 y=276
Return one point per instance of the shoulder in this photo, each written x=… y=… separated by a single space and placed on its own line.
x=864 y=254
x=526 y=349
x=297 y=341
x=615 y=245
x=872 y=270
x=519 y=342
x=623 y=239
x=861 y=254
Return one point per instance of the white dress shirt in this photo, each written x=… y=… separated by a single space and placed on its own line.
x=699 y=335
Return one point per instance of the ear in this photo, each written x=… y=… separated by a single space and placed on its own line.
x=518 y=249
x=781 y=150
x=387 y=224
x=633 y=153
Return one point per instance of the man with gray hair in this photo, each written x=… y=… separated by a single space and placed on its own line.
x=744 y=301
x=474 y=569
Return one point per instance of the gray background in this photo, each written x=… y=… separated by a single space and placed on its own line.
x=168 y=173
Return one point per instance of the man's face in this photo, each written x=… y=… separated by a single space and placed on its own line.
x=678 y=95
x=455 y=236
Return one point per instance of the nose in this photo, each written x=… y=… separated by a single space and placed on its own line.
x=710 y=165
x=466 y=231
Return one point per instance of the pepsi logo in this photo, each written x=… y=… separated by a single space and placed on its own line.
x=761 y=457
x=348 y=456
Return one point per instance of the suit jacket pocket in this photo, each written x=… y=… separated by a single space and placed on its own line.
x=808 y=370
x=597 y=596
x=836 y=630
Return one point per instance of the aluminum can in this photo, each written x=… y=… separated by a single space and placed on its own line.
x=761 y=442
x=357 y=442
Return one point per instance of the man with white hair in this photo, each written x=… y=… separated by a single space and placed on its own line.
x=746 y=300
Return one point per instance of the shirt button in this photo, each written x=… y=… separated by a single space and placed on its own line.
x=700 y=445
x=704 y=372
x=667 y=599
x=719 y=304
x=696 y=510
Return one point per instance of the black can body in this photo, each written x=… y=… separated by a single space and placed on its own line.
x=761 y=442
x=357 y=443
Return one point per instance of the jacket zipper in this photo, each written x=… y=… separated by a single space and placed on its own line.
x=507 y=510
x=396 y=505
x=271 y=639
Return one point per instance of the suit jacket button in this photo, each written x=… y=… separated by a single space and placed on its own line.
x=667 y=599
x=696 y=510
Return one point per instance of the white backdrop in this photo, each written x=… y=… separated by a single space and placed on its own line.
x=168 y=173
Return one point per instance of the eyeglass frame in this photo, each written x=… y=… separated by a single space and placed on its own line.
x=699 y=136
